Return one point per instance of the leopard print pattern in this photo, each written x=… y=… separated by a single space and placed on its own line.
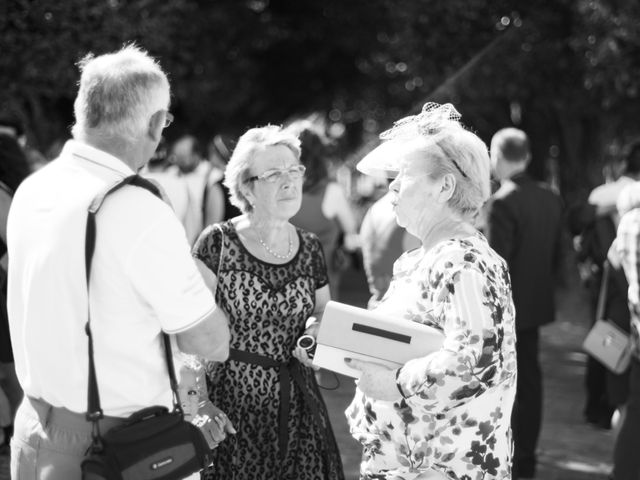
x=267 y=306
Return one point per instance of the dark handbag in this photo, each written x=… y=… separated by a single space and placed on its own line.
x=153 y=443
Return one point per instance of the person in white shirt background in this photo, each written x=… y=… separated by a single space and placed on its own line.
x=325 y=209
x=205 y=196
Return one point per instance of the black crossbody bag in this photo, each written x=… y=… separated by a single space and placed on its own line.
x=153 y=443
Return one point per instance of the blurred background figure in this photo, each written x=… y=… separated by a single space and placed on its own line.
x=524 y=225
x=220 y=149
x=382 y=241
x=618 y=175
x=14 y=168
x=12 y=126
x=594 y=225
x=325 y=209
x=174 y=188
x=205 y=197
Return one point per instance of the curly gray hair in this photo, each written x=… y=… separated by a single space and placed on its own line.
x=251 y=142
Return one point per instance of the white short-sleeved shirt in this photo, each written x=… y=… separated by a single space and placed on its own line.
x=606 y=195
x=143 y=280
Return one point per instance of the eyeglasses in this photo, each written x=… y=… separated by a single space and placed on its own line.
x=168 y=119
x=272 y=176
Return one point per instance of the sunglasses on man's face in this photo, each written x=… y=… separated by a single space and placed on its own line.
x=274 y=175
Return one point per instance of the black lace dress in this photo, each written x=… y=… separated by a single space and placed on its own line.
x=273 y=401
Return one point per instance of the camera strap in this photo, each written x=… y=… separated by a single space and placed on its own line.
x=94 y=409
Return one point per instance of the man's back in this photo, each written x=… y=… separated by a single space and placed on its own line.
x=143 y=278
x=524 y=227
x=131 y=286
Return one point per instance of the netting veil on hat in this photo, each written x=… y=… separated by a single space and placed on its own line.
x=433 y=119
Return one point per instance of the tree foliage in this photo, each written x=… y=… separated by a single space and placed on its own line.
x=567 y=71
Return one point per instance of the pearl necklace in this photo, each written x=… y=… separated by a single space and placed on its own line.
x=268 y=250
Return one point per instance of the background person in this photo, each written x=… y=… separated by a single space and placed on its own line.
x=205 y=196
x=11 y=125
x=174 y=189
x=219 y=150
x=14 y=168
x=325 y=209
x=594 y=223
x=445 y=415
x=272 y=279
x=143 y=279
x=524 y=226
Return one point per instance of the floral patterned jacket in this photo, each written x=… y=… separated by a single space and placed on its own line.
x=454 y=414
x=627 y=245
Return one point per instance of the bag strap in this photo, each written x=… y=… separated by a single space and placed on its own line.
x=205 y=193
x=220 y=260
x=604 y=285
x=94 y=410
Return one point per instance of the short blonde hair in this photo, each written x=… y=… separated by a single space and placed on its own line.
x=243 y=158
x=459 y=152
x=118 y=94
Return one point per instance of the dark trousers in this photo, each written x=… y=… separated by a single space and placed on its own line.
x=527 y=410
x=597 y=409
x=626 y=460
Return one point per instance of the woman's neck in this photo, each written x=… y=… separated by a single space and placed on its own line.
x=446 y=228
x=269 y=230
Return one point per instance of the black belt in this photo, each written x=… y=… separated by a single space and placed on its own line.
x=286 y=371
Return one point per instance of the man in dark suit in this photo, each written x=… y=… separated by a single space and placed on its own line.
x=524 y=226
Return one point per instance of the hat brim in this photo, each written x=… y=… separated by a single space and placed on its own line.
x=384 y=160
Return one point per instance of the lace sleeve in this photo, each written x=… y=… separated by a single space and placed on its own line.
x=318 y=262
x=207 y=247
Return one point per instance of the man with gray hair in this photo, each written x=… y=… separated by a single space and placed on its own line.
x=524 y=225
x=143 y=278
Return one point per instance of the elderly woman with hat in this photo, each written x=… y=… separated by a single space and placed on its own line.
x=445 y=415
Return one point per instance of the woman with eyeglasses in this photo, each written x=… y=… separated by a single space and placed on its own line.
x=271 y=280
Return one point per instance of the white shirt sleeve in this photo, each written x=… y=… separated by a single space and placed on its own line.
x=164 y=274
x=336 y=205
x=606 y=195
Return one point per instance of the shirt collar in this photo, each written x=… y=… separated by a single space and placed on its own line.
x=96 y=156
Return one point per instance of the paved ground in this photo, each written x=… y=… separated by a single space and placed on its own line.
x=569 y=449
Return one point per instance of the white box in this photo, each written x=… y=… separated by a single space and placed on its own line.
x=351 y=332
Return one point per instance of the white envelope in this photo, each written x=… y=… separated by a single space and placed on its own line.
x=351 y=332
